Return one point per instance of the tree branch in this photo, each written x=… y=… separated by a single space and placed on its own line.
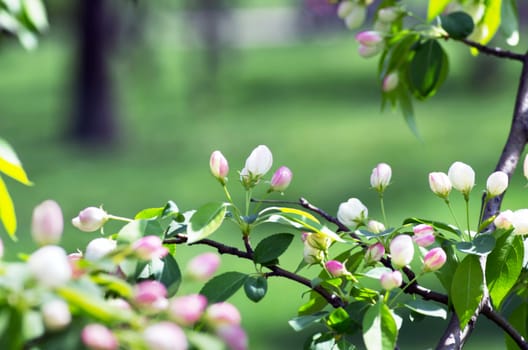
x=494 y=51
x=506 y=326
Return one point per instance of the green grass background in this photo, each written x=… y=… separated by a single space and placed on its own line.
x=314 y=103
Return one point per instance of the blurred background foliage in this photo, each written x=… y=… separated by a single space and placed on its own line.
x=123 y=102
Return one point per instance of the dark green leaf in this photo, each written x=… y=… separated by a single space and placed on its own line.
x=427 y=308
x=301 y=322
x=206 y=220
x=481 y=245
x=446 y=273
x=379 y=328
x=467 y=288
x=518 y=321
x=256 y=288
x=10 y=329
x=272 y=247
x=428 y=69
x=171 y=275
x=457 y=24
x=504 y=266
x=407 y=110
x=509 y=26
x=223 y=286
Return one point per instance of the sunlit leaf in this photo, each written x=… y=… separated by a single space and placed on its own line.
x=7 y=210
x=467 y=288
x=205 y=221
x=435 y=8
x=379 y=328
x=272 y=247
x=301 y=322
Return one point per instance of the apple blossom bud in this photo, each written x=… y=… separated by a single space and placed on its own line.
x=312 y=255
x=352 y=212
x=462 y=177
x=259 y=161
x=336 y=268
x=440 y=184
x=77 y=270
x=344 y=8
x=47 y=223
x=97 y=337
x=281 y=179
x=149 y=247
x=520 y=222
x=222 y=313
x=497 y=183
x=504 y=220
x=49 y=265
x=98 y=248
x=119 y=303
x=434 y=259
x=356 y=17
x=402 y=250
x=90 y=219
x=219 y=166
x=187 y=310
x=318 y=241
x=369 y=51
x=56 y=315
x=423 y=235
x=390 y=82
x=391 y=280
x=151 y=295
x=388 y=14
x=380 y=177
x=165 y=336
x=374 y=253
x=369 y=38
x=375 y=226
x=202 y=267
x=234 y=336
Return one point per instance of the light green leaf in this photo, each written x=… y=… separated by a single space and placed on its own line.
x=339 y=320
x=223 y=286
x=136 y=229
x=149 y=213
x=315 y=304
x=503 y=267
x=427 y=308
x=270 y=248
x=379 y=328
x=435 y=8
x=7 y=211
x=205 y=221
x=467 y=288
x=301 y=322
x=10 y=164
x=256 y=288
x=492 y=19
x=36 y=13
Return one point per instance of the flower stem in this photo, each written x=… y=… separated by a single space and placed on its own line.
x=403 y=289
x=382 y=204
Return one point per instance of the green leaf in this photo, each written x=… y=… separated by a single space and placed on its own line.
x=397 y=55
x=427 y=308
x=364 y=294
x=315 y=304
x=446 y=273
x=467 y=288
x=114 y=284
x=379 y=328
x=223 y=286
x=517 y=320
x=492 y=19
x=36 y=13
x=206 y=220
x=170 y=276
x=301 y=322
x=270 y=248
x=457 y=24
x=481 y=245
x=256 y=288
x=204 y=341
x=510 y=22
x=435 y=8
x=339 y=320
x=7 y=211
x=136 y=229
x=149 y=213
x=10 y=164
x=11 y=329
x=427 y=69
x=504 y=266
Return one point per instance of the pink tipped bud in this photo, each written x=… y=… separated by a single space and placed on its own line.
x=97 y=337
x=423 y=235
x=219 y=166
x=77 y=270
x=151 y=295
x=369 y=38
x=187 y=310
x=336 y=268
x=90 y=219
x=434 y=259
x=56 y=315
x=369 y=51
x=149 y=247
x=440 y=184
x=222 y=313
x=402 y=250
x=202 y=267
x=98 y=248
x=391 y=280
x=47 y=223
x=234 y=336
x=374 y=253
x=497 y=183
x=504 y=220
x=281 y=179
x=380 y=177
x=50 y=266
x=390 y=82
x=462 y=177
x=165 y=336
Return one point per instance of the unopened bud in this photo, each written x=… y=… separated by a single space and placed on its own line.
x=188 y=309
x=336 y=268
x=423 y=235
x=402 y=250
x=98 y=248
x=202 y=267
x=165 y=336
x=504 y=220
x=97 y=337
x=56 y=315
x=434 y=259
x=50 y=266
x=356 y=17
x=390 y=82
x=149 y=247
x=380 y=177
x=281 y=179
x=219 y=166
x=462 y=177
x=375 y=226
x=388 y=14
x=391 y=280
x=440 y=184
x=374 y=253
x=497 y=183
x=90 y=219
x=47 y=223
x=352 y=212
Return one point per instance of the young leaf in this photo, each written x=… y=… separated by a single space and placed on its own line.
x=223 y=286
x=206 y=220
x=315 y=304
x=339 y=320
x=379 y=328
x=467 y=288
x=270 y=248
x=457 y=24
x=149 y=213
x=10 y=164
x=301 y=322
x=503 y=267
x=435 y=8
x=427 y=308
x=492 y=19
x=427 y=69
x=136 y=229
x=7 y=211
x=256 y=288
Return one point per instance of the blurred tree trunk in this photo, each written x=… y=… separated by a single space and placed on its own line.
x=94 y=115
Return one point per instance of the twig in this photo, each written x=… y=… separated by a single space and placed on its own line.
x=506 y=326
x=494 y=51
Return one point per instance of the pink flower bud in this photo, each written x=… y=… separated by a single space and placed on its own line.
x=165 y=336
x=90 y=219
x=202 y=267
x=97 y=337
x=281 y=179
x=47 y=223
x=352 y=212
x=402 y=250
x=423 y=235
x=151 y=295
x=56 y=315
x=380 y=177
x=336 y=268
x=374 y=253
x=187 y=310
x=520 y=222
x=375 y=226
x=390 y=82
x=356 y=17
x=440 y=184
x=497 y=183
x=49 y=265
x=369 y=38
x=98 y=248
x=504 y=220
x=259 y=161
x=434 y=259
x=149 y=247
x=219 y=166
x=119 y=303
x=222 y=313
x=369 y=51
x=234 y=336
x=462 y=177
x=391 y=280
x=77 y=270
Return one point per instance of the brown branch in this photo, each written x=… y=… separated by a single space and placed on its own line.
x=506 y=326
x=493 y=51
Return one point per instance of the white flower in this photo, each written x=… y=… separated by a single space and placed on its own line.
x=497 y=183
x=99 y=247
x=50 y=266
x=462 y=177
x=259 y=161
x=352 y=212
